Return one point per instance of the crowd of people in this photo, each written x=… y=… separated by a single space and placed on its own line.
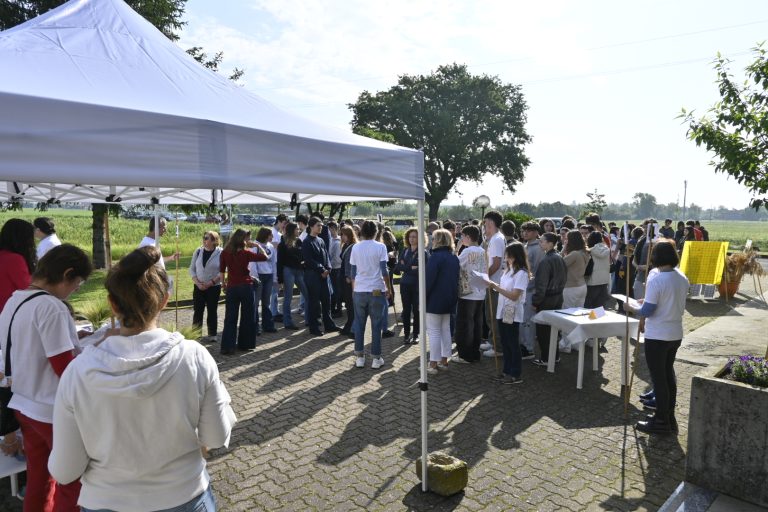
x=118 y=419
x=485 y=282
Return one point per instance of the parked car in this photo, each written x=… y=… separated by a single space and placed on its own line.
x=399 y=224
x=173 y=216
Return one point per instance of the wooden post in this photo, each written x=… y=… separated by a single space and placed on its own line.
x=176 y=283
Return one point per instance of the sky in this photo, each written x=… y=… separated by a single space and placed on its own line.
x=604 y=81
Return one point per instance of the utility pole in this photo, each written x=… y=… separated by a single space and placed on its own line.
x=685 y=193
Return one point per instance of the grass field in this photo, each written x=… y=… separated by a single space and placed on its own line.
x=74 y=226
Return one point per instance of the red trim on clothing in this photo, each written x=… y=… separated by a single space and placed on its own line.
x=59 y=362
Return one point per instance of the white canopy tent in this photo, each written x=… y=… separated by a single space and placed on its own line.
x=97 y=105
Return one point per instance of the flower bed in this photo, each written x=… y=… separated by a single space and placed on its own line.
x=750 y=370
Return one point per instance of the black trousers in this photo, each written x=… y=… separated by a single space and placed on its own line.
x=337 y=296
x=349 y=305
x=409 y=293
x=469 y=328
x=203 y=300
x=319 y=300
x=660 y=358
x=543 y=331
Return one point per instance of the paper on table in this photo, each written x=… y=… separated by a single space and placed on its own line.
x=628 y=300
x=479 y=280
x=573 y=311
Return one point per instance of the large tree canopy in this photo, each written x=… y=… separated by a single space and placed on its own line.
x=468 y=126
x=736 y=128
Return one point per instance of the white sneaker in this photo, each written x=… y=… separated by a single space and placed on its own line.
x=360 y=362
x=432 y=370
x=377 y=363
x=491 y=353
x=458 y=359
x=485 y=346
x=441 y=366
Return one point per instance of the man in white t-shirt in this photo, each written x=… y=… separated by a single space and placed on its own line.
x=469 y=316
x=370 y=292
x=495 y=245
x=150 y=240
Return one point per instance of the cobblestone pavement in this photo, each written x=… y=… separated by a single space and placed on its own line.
x=316 y=433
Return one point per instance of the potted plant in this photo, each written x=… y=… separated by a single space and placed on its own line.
x=727 y=434
x=737 y=265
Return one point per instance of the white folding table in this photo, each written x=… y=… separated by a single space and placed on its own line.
x=578 y=329
x=11 y=467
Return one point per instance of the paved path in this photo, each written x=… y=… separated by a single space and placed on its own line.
x=316 y=433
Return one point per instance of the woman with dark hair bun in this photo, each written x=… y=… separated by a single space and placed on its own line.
x=43 y=338
x=17 y=257
x=45 y=231
x=133 y=411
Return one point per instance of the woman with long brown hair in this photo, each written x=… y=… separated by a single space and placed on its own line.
x=290 y=270
x=348 y=240
x=236 y=276
x=576 y=259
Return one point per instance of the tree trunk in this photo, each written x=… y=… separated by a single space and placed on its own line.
x=434 y=206
x=99 y=253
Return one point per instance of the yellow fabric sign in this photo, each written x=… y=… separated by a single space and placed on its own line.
x=704 y=262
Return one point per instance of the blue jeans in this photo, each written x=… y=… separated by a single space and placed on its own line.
x=205 y=502
x=240 y=298
x=262 y=296
x=366 y=304
x=291 y=276
x=510 y=343
x=273 y=301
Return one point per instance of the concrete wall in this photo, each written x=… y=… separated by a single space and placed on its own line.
x=728 y=437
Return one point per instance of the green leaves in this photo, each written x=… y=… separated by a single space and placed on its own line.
x=736 y=127
x=468 y=126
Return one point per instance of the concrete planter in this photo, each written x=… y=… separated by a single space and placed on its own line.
x=728 y=437
x=446 y=475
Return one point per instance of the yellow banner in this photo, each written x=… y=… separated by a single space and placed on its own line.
x=704 y=262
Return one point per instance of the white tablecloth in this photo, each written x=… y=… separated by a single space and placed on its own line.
x=578 y=329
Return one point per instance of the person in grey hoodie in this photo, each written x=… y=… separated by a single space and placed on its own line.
x=133 y=413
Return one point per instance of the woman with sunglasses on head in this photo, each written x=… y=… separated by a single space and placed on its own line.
x=134 y=411
x=43 y=338
x=204 y=270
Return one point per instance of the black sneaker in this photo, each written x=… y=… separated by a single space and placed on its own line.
x=526 y=354
x=387 y=333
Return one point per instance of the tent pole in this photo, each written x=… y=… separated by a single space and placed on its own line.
x=423 y=348
x=107 y=259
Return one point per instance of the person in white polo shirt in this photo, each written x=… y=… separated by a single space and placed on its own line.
x=370 y=292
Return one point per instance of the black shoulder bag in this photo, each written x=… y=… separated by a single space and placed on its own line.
x=8 y=422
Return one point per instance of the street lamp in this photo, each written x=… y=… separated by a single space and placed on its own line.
x=482 y=202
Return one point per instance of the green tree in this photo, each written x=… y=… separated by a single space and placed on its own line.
x=595 y=204
x=644 y=204
x=468 y=126
x=736 y=127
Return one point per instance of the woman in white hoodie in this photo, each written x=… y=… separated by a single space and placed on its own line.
x=597 y=281
x=133 y=412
